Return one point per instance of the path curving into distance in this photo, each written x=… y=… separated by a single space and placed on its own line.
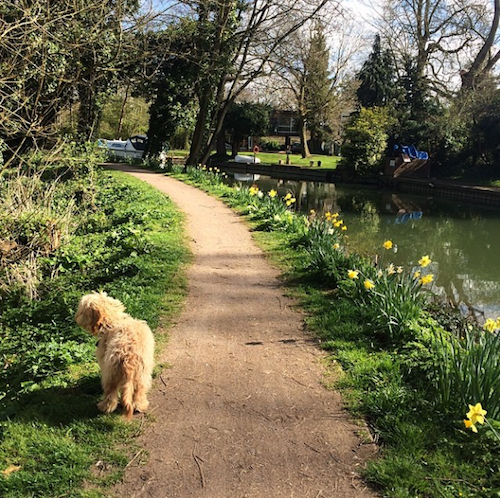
x=242 y=411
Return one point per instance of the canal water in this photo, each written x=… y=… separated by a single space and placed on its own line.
x=462 y=239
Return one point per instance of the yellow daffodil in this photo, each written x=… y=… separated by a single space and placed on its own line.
x=328 y=216
x=272 y=193
x=426 y=279
x=312 y=212
x=387 y=244
x=470 y=425
x=336 y=245
x=290 y=201
x=335 y=215
x=344 y=228
x=424 y=261
x=490 y=325
x=476 y=414
x=498 y=322
x=368 y=284
x=353 y=274
x=288 y=196
x=253 y=190
x=416 y=275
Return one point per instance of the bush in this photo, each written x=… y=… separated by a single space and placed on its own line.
x=270 y=145
x=365 y=142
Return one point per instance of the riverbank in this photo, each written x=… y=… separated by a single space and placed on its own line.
x=397 y=369
x=489 y=196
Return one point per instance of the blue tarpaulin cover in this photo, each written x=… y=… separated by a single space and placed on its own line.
x=411 y=151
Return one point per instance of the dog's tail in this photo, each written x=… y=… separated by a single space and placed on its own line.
x=129 y=368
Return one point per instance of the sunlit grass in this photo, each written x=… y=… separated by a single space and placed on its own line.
x=53 y=441
x=327 y=162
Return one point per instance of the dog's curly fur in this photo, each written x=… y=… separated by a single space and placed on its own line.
x=125 y=352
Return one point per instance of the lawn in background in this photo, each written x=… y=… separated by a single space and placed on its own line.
x=327 y=162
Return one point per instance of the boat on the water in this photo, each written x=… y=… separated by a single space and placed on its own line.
x=134 y=147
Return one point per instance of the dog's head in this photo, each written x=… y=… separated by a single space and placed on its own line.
x=97 y=309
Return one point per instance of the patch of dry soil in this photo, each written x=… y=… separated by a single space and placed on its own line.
x=242 y=412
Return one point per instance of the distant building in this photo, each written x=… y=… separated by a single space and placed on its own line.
x=284 y=124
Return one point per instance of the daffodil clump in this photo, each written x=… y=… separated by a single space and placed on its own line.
x=323 y=238
x=467 y=367
x=393 y=293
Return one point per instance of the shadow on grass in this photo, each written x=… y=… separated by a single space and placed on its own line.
x=56 y=406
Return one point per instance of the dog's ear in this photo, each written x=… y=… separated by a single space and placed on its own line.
x=96 y=320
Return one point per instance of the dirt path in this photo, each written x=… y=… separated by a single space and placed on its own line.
x=242 y=412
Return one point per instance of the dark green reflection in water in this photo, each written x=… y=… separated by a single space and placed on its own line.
x=462 y=239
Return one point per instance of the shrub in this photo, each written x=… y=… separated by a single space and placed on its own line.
x=365 y=142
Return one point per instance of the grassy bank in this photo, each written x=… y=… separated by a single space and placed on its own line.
x=328 y=162
x=99 y=230
x=413 y=370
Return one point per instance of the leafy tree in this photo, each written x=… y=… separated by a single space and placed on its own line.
x=246 y=119
x=50 y=52
x=234 y=43
x=377 y=78
x=365 y=142
x=173 y=88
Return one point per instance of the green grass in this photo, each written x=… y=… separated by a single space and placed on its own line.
x=53 y=441
x=327 y=162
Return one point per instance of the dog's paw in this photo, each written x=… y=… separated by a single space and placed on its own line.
x=142 y=406
x=106 y=407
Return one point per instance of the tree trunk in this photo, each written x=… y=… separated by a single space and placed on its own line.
x=221 y=143
x=88 y=113
x=480 y=67
x=200 y=128
x=122 y=113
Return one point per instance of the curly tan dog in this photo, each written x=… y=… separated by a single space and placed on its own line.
x=125 y=352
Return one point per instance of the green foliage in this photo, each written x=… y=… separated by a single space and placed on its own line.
x=270 y=144
x=246 y=119
x=173 y=88
x=395 y=302
x=377 y=78
x=365 y=142
x=133 y=113
x=468 y=370
x=125 y=238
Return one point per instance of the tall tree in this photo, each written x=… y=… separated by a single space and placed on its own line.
x=431 y=34
x=307 y=79
x=319 y=88
x=236 y=40
x=377 y=77
x=173 y=83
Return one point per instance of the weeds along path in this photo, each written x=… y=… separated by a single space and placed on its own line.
x=242 y=411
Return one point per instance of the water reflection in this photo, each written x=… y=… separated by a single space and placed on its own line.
x=461 y=239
